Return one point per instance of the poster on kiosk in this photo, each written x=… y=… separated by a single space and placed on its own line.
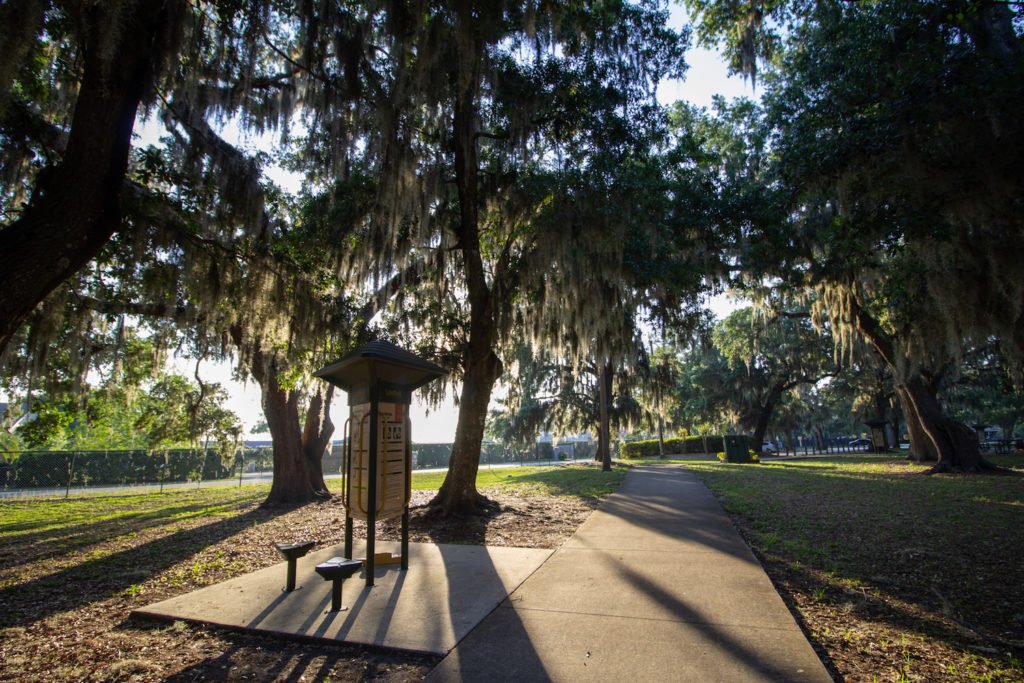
x=392 y=461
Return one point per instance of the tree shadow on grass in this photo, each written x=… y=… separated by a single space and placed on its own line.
x=98 y=578
x=914 y=613
x=923 y=549
x=24 y=548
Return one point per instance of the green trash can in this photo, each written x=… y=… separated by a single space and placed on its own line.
x=737 y=448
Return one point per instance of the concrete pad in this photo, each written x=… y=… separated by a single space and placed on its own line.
x=517 y=645
x=447 y=590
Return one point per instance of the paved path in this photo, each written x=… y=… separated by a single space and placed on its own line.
x=656 y=585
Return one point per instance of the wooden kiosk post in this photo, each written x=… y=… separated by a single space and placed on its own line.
x=377 y=465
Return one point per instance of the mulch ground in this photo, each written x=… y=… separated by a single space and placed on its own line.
x=66 y=615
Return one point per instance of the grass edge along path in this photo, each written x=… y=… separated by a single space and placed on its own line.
x=67 y=516
x=74 y=569
x=894 y=575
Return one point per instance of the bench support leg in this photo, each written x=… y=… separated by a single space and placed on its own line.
x=290 y=586
x=336 y=596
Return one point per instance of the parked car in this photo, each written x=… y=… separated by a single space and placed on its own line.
x=864 y=444
x=768 y=447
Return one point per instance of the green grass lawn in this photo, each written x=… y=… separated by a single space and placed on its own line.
x=76 y=519
x=938 y=557
x=586 y=481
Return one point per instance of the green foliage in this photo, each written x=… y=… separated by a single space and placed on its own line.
x=136 y=402
x=755 y=374
x=751 y=456
x=10 y=446
x=747 y=30
x=881 y=114
x=548 y=395
x=984 y=394
x=158 y=414
x=49 y=426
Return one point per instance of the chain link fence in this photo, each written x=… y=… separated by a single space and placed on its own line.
x=25 y=473
x=34 y=472
x=437 y=455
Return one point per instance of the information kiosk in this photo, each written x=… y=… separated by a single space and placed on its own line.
x=376 y=468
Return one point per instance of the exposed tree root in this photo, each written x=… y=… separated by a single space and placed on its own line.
x=322 y=496
x=473 y=505
x=953 y=614
x=982 y=466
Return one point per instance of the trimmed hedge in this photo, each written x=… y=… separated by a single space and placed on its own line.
x=674 y=445
x=751 y=456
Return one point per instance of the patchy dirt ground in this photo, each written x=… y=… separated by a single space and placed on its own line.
x=895 y=576
x=65 y=601
x=66 y=614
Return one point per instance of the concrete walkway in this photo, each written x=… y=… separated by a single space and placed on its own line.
x=656 y=585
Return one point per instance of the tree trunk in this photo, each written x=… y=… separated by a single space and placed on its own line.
x=921 y=447
x=764 y=416
x=295 y=479
x=75 y=204
x=316 y=434
x=954 y=444
x=298 y=448
x=604 y=429
x=897 y=413
x=481 y=365
x=661 y=436
x=458 y=494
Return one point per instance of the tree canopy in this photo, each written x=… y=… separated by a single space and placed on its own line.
x=479 y=176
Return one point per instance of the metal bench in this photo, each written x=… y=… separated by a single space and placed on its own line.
x=337 y=569
x=292 y=552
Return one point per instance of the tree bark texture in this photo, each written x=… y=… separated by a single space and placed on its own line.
x=921 y=448
x=75 y=206
x=317 y=433
x=458 y=494
x=955 y=446
x=298 y=447
x=481 y=366
x=764 y=416
x=293 y=475
x=604 y=446
x=661 y=437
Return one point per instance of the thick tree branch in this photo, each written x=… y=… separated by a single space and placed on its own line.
x=75 y=206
